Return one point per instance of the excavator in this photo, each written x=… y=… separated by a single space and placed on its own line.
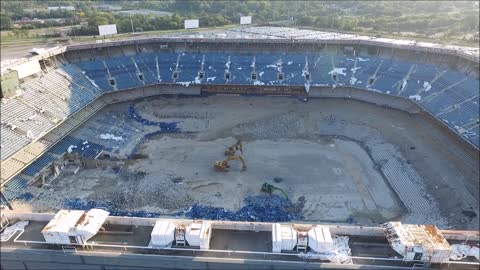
x=222 y=166
x=232 y=150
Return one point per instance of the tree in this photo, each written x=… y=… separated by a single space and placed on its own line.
x=18 y=33
x=6 y=22
x=306 y=20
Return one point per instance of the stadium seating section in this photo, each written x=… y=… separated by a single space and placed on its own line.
x=449 y=94
x=46 y=101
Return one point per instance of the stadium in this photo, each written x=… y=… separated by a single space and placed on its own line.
x=343 y=129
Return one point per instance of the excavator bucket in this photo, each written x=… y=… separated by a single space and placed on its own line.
x=223 y=166
x=219 y=166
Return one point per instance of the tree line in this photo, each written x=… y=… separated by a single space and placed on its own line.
x=387 y=16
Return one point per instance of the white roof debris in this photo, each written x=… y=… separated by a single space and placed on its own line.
x=186 y=84
x=70 y=148
x=426 y=86
x=307 y=87
x=341 y=252
x=414 y=97
x=10 y=230
x=108 y=136
x=337 y=71
x=30 y=134
x=462 y=251
x=271 y=32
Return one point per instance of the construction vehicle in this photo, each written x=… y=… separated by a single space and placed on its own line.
x=232 y=150
x=222 y=166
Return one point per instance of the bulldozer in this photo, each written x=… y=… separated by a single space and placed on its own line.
x=232 y=150
x=222 y=166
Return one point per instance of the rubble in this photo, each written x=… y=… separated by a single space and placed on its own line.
x=164 y=126
x=340 y=254
x=136 y=189
x=262 y=208
x=108 y=136
x=460 y=252
x=114 y=209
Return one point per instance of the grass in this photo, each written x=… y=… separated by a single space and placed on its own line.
x=151 y=33
x=9 y=42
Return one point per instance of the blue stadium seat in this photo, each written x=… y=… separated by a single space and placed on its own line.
x=39 y=164
x=453 y=87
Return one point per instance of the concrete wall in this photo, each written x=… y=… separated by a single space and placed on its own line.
x=127 y=47
x=148 y=91
x=51 y=259
x=27 y=69
x=349 y=230
x=9 y=83
x=379 y=99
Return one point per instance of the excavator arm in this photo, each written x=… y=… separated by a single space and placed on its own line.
x=232 y=150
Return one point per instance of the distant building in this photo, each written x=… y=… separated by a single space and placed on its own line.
x=61 y=7
x=106 y=7
x=26 y=20
x=32 y=10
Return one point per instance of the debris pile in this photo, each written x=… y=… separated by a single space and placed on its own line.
x=283 y=126
x=460 y=252
x=262 y=208
x=108 y=136
x=133 y=191
x=165 y=127
x=113 y=208
x=341 y=252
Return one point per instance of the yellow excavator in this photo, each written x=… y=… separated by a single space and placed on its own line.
x=222 y=166
x=232 y=150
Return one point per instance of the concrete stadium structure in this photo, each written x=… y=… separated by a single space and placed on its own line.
x=128 y=243
x=59 y=91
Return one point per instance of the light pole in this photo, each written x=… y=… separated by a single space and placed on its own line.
x=131 y=23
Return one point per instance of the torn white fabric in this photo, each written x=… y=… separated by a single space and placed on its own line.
x=461 y=251
x=70 y=148
x=426 y=86
x=10 y=230
x=415 y=97
x=108 y=136
x=337 y=71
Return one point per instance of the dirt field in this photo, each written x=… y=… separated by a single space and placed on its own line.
x=343 y=159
